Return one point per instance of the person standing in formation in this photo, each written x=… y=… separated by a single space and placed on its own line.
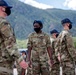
x=65 y=50
x=38 y=46
x=8 y=50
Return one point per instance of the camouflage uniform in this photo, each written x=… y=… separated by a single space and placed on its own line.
x=39 y=43
x=8 y=50
x=65 y=47
x=55 y=68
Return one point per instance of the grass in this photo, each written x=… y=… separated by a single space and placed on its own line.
x=23 y=43
x=74 y=39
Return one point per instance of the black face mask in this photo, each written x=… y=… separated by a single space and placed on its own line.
x=70 y=26
x=57 y=35
x=37 y=29
x=8 y=11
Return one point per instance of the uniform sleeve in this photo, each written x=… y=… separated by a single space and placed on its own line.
x=48 y=43
x=58 y=46
x=29 y=44
x=70 y=47
x=9 y=40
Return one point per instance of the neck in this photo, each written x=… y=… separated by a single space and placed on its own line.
x=66 y=28
x=2 y=16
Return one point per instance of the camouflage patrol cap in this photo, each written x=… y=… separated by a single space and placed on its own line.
x=3 y=3
x=66 y=20
x=54 y=31
x=39 y=22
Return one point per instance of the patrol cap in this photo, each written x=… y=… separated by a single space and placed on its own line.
x=3 y=3
x=39 y=22
x=54 y=31
x=23 y=51
x=66 y=20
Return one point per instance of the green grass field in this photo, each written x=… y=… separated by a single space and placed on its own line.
x=23 y=43
x=74 y=39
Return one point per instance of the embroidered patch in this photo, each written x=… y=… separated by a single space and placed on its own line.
x=4 y=28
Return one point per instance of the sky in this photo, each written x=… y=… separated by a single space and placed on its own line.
x=44 y=4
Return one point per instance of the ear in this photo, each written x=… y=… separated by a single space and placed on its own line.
x=2 y=8
x=68 y=24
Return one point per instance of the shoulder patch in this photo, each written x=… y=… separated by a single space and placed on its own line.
x=4 y=28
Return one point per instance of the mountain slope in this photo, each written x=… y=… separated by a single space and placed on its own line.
x=23 y=15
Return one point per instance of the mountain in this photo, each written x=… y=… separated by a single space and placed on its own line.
x=23 y=15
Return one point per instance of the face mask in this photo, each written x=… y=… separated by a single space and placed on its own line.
x=57 y=35
x=24 y=56
x=37 y=29
x=70 y=26
x=8 y=11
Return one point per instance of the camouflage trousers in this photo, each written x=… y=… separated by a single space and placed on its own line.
x=68 y=68
x=40 y=68
x=5 y=71
x=5 y=74
x=55 y=69
x=6 y=68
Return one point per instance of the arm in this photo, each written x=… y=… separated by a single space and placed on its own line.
x=58 y=47
x=29 y=54
x=9 y=41
x=29 y=46
x=70 y=47
x=9 y=47
x=49 y=50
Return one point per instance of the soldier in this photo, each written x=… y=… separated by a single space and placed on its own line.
x=54 y=34
x=8 y=49
x=23 y=57
x=55 y=69
x=65 y=50
x=38 y=46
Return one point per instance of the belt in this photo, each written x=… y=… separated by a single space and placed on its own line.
x=3 y=69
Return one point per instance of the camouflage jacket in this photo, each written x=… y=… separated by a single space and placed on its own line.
x=39 y=44
x=8 y=48
x=53 y=42
x=65 y=46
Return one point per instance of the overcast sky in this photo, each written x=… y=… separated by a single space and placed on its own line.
x=44 y=4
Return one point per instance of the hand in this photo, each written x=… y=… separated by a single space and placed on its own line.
x=23 y=64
